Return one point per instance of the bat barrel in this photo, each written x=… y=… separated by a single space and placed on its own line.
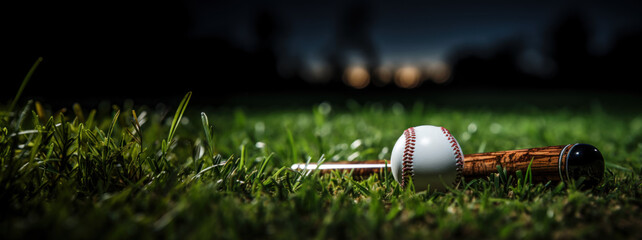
x=555 y=163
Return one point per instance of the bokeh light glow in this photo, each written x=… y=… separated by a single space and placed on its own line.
x=407 y=77
x=356 y=77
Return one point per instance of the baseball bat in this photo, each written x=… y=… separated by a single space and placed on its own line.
x=553 y=163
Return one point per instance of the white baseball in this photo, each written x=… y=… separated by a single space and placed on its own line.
x=430 y=155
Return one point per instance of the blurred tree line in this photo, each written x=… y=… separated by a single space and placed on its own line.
x=144 y=50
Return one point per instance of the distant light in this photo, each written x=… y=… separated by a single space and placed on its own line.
x=356 y=77
x=407 y=77
x=438 y=72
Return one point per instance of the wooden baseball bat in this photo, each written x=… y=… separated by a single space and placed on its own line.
x=554 y=163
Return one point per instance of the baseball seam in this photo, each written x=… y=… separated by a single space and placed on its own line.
x=407 y=170
x=459 y=158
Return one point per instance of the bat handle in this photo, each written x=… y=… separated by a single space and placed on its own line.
x=360 y=169
x=554 y=163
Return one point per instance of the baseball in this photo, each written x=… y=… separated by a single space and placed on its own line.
x=429 y=155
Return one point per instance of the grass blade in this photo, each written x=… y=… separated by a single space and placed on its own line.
x=529 y=173
x=177 y=116
x=111 y=127
x=263 y=165
x=292 y=146
x=242 y=159
x=24 y=83
x=207 y=129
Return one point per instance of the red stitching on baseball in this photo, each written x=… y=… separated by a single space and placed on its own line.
x=459 y=158
x=407 y=170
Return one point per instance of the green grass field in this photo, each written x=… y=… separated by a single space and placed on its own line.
x=151 y=172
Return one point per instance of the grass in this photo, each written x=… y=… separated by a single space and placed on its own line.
x=148 y=172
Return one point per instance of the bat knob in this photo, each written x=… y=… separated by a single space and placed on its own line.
x=584 y=160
